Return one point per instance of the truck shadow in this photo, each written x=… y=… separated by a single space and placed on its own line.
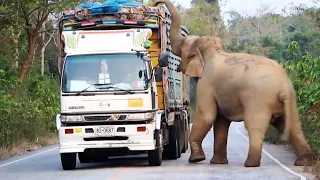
x=116 y=162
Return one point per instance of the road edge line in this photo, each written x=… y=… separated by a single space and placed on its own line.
x=274 y=159
x=18 y=160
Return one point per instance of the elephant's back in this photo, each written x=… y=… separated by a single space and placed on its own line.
x=243 y=77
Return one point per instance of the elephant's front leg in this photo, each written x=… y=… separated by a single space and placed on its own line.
x=205 y=115
x=221 y=128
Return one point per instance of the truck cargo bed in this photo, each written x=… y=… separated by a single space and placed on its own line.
x=177 y=81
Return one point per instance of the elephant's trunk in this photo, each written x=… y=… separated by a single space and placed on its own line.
x=175 y=30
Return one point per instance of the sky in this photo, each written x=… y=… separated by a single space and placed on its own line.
x=250 y=6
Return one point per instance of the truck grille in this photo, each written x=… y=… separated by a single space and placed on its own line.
x=105 y=118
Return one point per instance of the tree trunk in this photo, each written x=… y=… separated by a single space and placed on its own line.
x=43 y=50
x=43 y=47
x=15 y=33
x=31 y=51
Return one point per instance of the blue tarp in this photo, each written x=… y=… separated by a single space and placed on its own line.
x=108 y=6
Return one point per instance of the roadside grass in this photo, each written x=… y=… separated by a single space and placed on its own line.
x=24 y=146
x=28 y=113
x=317 y=169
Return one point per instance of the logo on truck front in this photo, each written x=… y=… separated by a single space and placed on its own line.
x=104 y=103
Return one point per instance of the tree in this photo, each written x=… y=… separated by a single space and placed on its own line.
x=33 y=14
x=204 y=19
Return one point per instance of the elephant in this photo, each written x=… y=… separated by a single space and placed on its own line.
x=235 y=87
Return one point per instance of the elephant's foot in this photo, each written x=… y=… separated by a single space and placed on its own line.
x=197 y=153
x=219 y=160
x=304 y=160
x=252 y=162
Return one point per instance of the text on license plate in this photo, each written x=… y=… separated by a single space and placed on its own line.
x=105 y=130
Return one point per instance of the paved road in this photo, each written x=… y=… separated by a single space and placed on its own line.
x=45 y=164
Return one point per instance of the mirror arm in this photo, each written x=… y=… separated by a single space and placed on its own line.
x=152 y=73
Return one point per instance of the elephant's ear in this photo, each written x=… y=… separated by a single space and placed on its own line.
x=195 y=67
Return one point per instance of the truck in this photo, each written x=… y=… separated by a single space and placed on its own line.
x=120 y=93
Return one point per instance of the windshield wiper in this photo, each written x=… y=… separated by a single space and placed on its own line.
x=84 y=90
x=109 y=86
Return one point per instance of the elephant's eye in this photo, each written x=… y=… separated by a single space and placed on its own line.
x=191 y=55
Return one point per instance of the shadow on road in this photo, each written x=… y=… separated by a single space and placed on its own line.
x=116 y=162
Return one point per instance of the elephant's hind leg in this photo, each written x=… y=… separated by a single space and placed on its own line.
x=256 y=122
x=204 y=118
x=221 y=128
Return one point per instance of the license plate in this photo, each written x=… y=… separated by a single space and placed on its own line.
x=105 y=131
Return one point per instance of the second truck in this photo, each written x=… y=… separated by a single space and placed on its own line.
x=120 y=91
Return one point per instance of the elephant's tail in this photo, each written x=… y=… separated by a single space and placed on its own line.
x=291 y=113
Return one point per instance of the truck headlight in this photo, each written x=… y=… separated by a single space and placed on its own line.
x=71 y=118
x=141 y=116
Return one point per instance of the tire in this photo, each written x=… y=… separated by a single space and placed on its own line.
x=172 y=149
x=82 y=158
x=68 y=160
x=155 y=156
x=179 y=137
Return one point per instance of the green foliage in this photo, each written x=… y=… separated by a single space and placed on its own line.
x=275 y=47
x=27 y=109
x=203 y=18
x=305 y=75
x=308 y=40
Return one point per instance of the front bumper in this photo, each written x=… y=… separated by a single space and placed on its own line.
x=128 y=137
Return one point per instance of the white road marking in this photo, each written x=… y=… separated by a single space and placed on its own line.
x=18 y=160
x=274 y=159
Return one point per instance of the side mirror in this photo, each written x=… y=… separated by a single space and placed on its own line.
x=164 y=59
x=158 y=74
x=142 y=73
x=53 y=65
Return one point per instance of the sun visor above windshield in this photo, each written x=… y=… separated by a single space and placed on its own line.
x=106 y=40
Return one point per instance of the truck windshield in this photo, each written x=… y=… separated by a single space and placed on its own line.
x=119 y=70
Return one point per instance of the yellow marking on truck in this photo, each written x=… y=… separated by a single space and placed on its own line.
x=78 y=130
x=135 y=103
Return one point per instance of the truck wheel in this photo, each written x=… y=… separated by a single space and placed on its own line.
x=82 y=158
x=179 y=137
x=155 y=156
x=68 y=160
x=172 y=149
